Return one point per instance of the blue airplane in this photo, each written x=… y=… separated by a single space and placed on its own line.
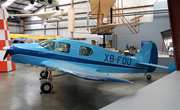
x=83 y=60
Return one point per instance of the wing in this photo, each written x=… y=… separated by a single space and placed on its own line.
x=104 y=28
x=36 y=14
x=52 y=14
x=79 y=71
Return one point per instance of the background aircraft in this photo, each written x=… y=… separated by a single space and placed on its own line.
x=47 y=2
x=101 y=9
x=45 y=15
x=83 y=60
x=29 y=38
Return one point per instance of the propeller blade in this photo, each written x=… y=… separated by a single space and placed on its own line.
x=6 y=54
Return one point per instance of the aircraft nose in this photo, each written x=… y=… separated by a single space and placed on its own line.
x=6 y=48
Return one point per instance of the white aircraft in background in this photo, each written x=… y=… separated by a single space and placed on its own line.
x=45 y=15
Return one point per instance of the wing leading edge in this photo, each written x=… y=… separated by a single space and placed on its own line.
x=81 y=72
x=35 y=14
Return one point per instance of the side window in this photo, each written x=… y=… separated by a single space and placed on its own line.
x=63 y=47
x=85 y=51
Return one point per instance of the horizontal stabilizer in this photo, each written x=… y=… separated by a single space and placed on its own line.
x=172 y=68
x=154 y=65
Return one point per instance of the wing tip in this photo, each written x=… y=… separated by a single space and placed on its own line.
x=132 y=83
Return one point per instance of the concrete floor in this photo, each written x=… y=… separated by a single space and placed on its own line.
x=19 y=90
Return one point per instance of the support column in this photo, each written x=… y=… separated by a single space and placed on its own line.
x=111 y=12
x=174 y=17
x=72 y=6
x=57 y=28
x=44 y=25
x=104 y=41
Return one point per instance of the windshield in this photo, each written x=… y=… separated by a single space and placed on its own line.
x=48 y=44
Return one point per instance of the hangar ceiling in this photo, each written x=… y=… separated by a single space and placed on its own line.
x=18 y=7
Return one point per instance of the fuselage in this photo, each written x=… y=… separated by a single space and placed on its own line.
x=79 y=53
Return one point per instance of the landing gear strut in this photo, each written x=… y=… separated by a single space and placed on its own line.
x=148 y=76
x=44 y=74
x=47 y=86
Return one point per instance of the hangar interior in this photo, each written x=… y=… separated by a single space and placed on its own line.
x=20 y=88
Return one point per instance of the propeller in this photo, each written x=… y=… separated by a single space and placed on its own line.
x=7 y=52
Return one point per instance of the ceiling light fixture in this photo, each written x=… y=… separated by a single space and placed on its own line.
x=8 y=2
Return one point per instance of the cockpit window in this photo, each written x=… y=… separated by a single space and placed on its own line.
x=85 y=51
x=48 y=44
x=63 y=47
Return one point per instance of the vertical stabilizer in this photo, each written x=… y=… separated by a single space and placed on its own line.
x=148 y=54
x=144 y=54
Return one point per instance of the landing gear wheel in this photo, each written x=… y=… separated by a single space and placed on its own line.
x=50 y=1
x=43 y=74
x=32 y=1
x=57 y=7
x=46 y=87
x=149 y=77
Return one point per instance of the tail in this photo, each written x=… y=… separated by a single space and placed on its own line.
x=148 y=55
x=5 y=11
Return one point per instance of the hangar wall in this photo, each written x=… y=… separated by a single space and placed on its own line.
x=149 y=31
x=15 y=28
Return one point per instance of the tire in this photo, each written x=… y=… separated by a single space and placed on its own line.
x=50 y=1
x=32 y=1
x=41 y=0
x=46 y=87
x=57 y=7
x=149 y=77
x=43 y=74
